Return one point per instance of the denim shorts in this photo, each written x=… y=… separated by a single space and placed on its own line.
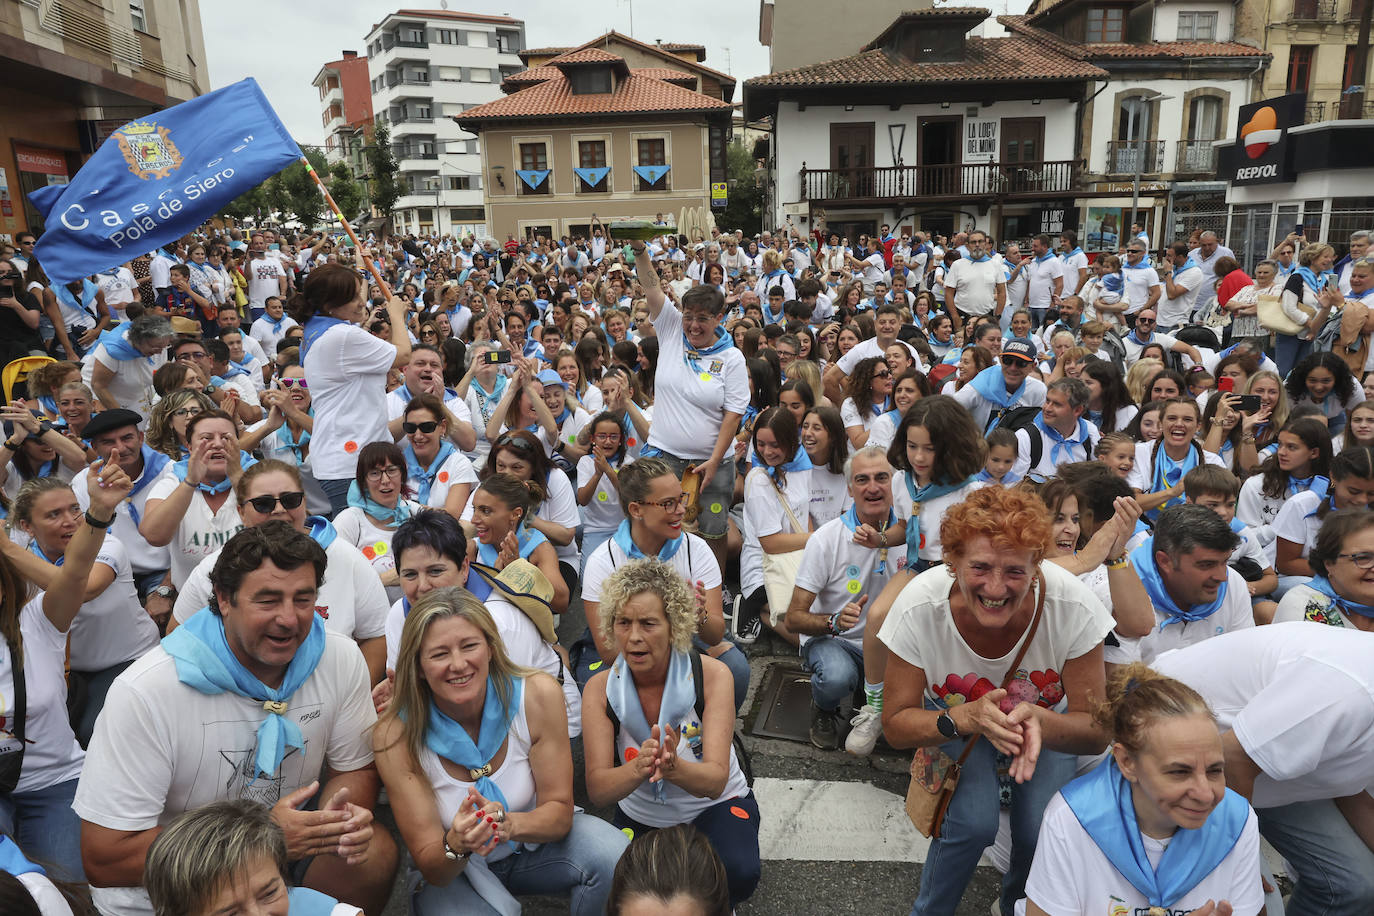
x=714 y=519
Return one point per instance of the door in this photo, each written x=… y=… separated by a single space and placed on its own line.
x=937 y=151
x=1131 y=152
x=851 y=160
x=1023 y=151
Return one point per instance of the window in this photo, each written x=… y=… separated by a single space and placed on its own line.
x=138 y=15
x=591 y=154
x=534 y=156
x=1300 y=67
x=478 y=39
x=1105 y=24
x=1348 y=75
x=415 y=36
x=1197 y=26
x=651 y=152
x=423 y=112
x=462 y=183
x=1204 y=118
x=590 y=80
x=479 y=75
x=447 y=36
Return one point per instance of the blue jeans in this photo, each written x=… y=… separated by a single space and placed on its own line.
x=971 y=823
x=96 y=686
x=44 y=825
x=581 y=864
x=1288 y=351
x=836 y=667
x=337 y=491
x=1335 y=868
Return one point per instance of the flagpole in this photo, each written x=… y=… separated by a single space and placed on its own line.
x=357 y=246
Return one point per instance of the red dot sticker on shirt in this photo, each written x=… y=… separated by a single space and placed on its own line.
x=739 y=812
x=443 y=476
x=631 y=442
x=631 y=753
x=350 y=446
x=369 y=553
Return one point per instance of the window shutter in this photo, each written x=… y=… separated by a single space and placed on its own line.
x=462 y=37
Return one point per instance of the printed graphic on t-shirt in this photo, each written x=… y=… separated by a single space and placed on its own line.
x=1318 y=612
x=229 y=772
x=1042 y=688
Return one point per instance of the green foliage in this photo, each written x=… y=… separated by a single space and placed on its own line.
x=744 y=209
x=347 y=192
x=298 y=195
x=384 y=187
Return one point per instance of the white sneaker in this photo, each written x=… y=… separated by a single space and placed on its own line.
x=867 y=726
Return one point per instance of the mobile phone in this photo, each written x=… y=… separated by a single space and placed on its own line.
x=498 y=356
x=1226 y=383
x=1297 y=230
x=1248 y=403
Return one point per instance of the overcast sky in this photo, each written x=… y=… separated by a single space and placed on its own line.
x=284 y=45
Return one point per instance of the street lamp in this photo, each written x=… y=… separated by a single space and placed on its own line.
x=1140 y=153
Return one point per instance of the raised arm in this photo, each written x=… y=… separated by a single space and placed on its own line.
x=66 y=592
x=648 y=278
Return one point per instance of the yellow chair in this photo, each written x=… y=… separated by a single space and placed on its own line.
x=17 y=370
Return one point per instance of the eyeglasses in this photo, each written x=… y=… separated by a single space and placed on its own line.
x=186 y=412
x=668 y=505
x=186 y=357
x=289 y=500
x=294 y=383
x=1361 y=560
x=607 y=437
x=1145 y=321
x=509 y=441
x=426 y=427
x=376 y=474
x=1131 y=251
x=1011 y=361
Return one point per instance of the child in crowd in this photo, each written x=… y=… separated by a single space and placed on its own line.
x=1001 y=457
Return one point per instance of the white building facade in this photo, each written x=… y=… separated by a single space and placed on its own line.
x=425 y=68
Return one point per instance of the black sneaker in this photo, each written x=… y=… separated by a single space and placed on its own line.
x=824 y=731
x=747 y=632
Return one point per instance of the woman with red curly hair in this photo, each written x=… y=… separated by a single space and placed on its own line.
x=952 y=634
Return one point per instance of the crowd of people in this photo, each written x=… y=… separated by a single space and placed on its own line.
x=290 y=522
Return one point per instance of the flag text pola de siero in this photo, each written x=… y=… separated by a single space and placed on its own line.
x=158 y=178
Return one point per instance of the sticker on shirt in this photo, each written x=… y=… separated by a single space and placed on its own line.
x=1043 y=688
x=1317 y=612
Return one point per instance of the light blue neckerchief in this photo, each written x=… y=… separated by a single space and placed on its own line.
x=1068 y=254
x=302 y=901
x=246 y=461
x=1168 y=472
x=393 y=516
x=626 y=543
x=284 y=437
x=494 y=398
x=1316 y=484
x=116 y=343
x=153 y=463
x=1323 y=586
x=992 y=386
x=451 y=741
x=315 y=328
x=1102 y=802
x=851 y=523
x=919 y=495
x=13 y=861
x=1143 y=559
x=88 y=293
x=691 y=354
x=799 y=462
x=206 y=664
x=676 y=709
x=1061 y=442
x=1186 y=264
x=38 y=552
x=527 y=539
x=424 y=476
x=1312 y=280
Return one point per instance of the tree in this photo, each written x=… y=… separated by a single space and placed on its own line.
x=347 y=192
x=744 y=209
x=384 y=186
x=302 y=197
x=254 y=203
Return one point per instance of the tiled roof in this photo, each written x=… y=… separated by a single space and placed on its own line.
x=667 y=73
x=1039 y=8
x=553 y=98
x=543 y=52
x=1129 y=50
x=968 y=15
x=531 y=76
x=587 y=56
x=986 y=60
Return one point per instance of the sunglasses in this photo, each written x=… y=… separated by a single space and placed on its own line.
x=508 y=441
x=1145 y=321
x=426 y=427
x=294 y=383
x=1014 y=361
x=265 y=504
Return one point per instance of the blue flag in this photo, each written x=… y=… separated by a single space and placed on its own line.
x=533 y=177
x=651 y=173
x=158 y=178
x=594 y=176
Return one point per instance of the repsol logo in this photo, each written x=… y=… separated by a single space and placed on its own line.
x=1257 y=171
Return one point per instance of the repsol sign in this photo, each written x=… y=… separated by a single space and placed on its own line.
x=1251 y=172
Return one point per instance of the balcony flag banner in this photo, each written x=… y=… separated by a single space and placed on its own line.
x=158 y=178
x=593 y=177
x=533 y=177
x=651 y=173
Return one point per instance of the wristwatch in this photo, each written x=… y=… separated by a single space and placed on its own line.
x=946 y=726
x=165 y=591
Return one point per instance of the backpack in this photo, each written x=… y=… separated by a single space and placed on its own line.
x=1015 y=418
x=745 y=764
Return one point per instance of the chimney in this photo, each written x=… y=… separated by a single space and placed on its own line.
x=349 y=55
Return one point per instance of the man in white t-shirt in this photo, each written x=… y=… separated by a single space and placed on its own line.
x=1183 y=566
x=1142 y=287
x=846 y=564
x=975 y=285
x=1143 y=334
x=1183 y=282
x=180 y=729
x=1059 y=435
x=1044 y=280
x=1295 y=702
x=1015 y=273
x=1359 y=247
x=887 y=322
x=266 y=276
x=873 y=267
x=1003 y=387
x=424 y=374
x=1074 y=260
x=119 y=286
x=1209 y=251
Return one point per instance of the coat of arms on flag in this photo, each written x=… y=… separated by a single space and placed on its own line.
x=148 y=149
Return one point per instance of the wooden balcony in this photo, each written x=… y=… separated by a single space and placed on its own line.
x=862 y=186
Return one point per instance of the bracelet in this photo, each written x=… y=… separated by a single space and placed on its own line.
x=831 y=624
x=1249 y=438
x=97 y=523
x=187 y=482
x=1120 y=562
x=12 y=445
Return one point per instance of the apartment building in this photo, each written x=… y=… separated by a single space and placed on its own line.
x=74 y=73
x=425 y=68
x=1314 y=47
x=345 y=91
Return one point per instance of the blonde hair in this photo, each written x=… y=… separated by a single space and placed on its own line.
x=649 y=575
x=410 y=703
x=205 y=848
x=1139 y=696
x=1282 y=407
x=1139 y=375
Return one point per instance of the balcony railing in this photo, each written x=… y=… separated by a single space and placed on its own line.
x=1315 y=113
x=983 y=179
x=1314 y=11
x=1126 y=157
x=411 y=152
x=1197 y=156
x=1335 y=111
x=404 y=43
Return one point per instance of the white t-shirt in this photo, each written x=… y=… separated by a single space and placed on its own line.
x=1047 y=466
x=399 y=397
x=693 y=561
x=559 y=507
x=1139 y=281
x=881 y=431
x=353 y=526
x=351 y=599
x=1297 y=521
x=868 y=349
x=1302 y=602
x=201 y=531
x=829 y=494
x=932 y=512
x=851 y=417
x=692 y=403
x=1234 y=614
x=920 y=629
x=144 y=556
x=1300 y=698
x=263 y=275
x=346 y=368
x=54 y=756
x=975 y=285
x=132 y=385
x=1259 y=511
x=1040 y=277
x=602 y=512
x=118 y=288
x=764 y=515
x=1032 y=395
x=162 y=748
x=1072 y=263
x=112 y=627
x=268 y=336
x=1143 y=472
x=1133 y=345
x=456 y=469
x=837 y=571
x=1178 y=311
x=1071 y=874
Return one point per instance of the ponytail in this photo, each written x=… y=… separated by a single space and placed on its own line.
x=1138 y=696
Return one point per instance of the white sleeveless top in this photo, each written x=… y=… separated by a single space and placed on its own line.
x=515 y=777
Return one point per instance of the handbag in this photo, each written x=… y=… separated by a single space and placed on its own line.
x=780 y=569
x=1269 y=311
x=934 y=774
